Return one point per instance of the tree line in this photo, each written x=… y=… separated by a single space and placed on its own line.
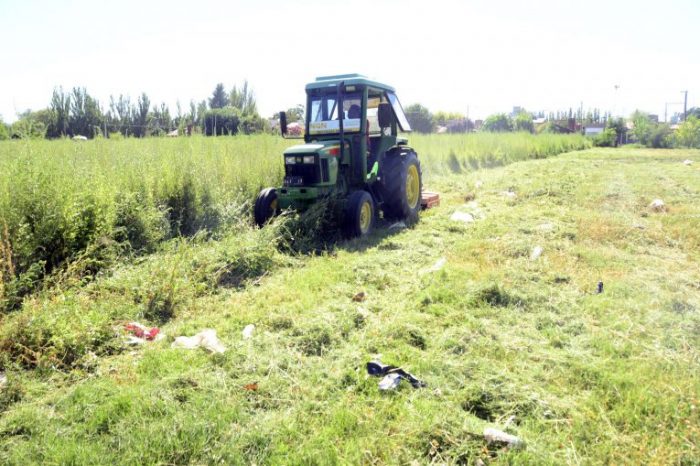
x=77 y=113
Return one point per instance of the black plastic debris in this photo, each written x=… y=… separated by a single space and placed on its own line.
x=600 y=287
x=392 y=376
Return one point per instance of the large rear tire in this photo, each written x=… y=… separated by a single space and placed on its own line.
x=401 y=185
x=265 y=206
x=358 y=217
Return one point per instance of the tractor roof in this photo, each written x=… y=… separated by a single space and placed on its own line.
x=323 y=82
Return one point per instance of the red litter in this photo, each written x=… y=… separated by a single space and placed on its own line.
x=142 y=331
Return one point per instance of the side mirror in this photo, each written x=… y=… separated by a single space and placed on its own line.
x=283 y=123
x=384 y=115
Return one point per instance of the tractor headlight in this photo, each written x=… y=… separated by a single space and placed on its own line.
x=310 y=159
x=290 y=160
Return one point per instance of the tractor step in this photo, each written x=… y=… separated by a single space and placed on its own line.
x=429 y=199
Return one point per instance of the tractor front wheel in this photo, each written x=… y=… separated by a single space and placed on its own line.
x=359 y=214
x=265 y=206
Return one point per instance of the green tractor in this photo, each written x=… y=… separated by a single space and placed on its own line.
x=352 y=151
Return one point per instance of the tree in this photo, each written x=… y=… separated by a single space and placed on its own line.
x=620 y=129
x=140 y=115
x=219 y=99
x=4 y=130
x=688 y=133
x=497 y=123
x=222 y=121
x=295 y=113
x=244 y=100
x=523 y=122
x=60 y=114
x=443 y=118
x=28 y=126
x=420 y=118
x=642 y=127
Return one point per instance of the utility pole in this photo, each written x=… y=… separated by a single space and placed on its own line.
x=685 y=106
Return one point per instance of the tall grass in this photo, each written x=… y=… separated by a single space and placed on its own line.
x=62 y=199
x=456 y=153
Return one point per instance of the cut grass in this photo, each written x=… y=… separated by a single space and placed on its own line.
x=582 y=377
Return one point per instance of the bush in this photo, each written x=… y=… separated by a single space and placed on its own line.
x=607 y=138
x=688 y=134
x=498 y=123
x=660 y=137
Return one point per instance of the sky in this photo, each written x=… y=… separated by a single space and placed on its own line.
x=473 y=57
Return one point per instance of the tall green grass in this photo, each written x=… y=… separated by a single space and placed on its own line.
x=95 y=200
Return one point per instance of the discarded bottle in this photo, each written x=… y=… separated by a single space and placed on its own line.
x=600 y=287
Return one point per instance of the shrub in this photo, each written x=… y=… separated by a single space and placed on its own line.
x=500 y=122
x=688 y=134
x=608 y=138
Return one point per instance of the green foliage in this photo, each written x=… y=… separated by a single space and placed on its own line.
x=642 y=127
x=660 y=137
x=420 y=118
x=523 y=122
x=498 y=123
x=222 y=121
x=443 y=118
x=219 y=98
x=688 y=133
x=30 y=125
x=608 y=138
x=4 y=131
x=243 y=100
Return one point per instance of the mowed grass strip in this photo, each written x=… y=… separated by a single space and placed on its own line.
x=502 y=339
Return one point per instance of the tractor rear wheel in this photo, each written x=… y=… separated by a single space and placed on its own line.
x=401 y=185
x=265 y=206
x=359 y=214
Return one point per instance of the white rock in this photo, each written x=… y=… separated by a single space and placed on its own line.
x=479 y=184
x=509 y=194
x=687 y=162
x=495 y=435
x=248 y=331
x=465 y=217
x=536 y=253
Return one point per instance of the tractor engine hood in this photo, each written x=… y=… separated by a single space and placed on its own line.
x=312 y=148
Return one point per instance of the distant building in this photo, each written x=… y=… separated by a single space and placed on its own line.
x=593 y=130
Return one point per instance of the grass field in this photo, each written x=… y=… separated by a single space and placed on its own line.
x=502 y=339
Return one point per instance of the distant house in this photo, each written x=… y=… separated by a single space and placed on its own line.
x=593 y=129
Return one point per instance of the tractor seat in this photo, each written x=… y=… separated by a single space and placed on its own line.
x=354 y=111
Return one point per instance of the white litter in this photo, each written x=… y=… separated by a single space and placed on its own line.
x=657 y=205
x=546 y=227
x=390 y=382
x=248 y=331
x=494 y=435
x=465 y=217
x=536 y=253
x=509 y=194
x=398 y=225
x=479 y=184
x=687 y=162
x=3 y=379
x=437 y=265
x=206 y=339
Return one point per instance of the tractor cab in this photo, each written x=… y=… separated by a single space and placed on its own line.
x=352 y=131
